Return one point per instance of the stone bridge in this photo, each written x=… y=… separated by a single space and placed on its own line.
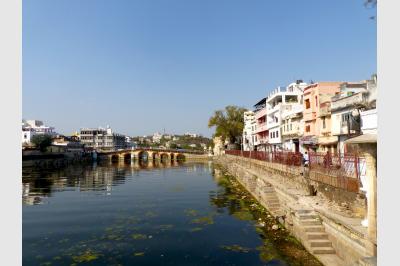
x=149 y=154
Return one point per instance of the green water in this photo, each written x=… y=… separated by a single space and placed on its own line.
x=188 y=214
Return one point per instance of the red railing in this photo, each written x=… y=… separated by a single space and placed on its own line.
x=349 y=165
x=339 y=170
x=287 y=158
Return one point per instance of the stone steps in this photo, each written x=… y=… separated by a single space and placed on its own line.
x=310 y=222
x=317 y=235
x=323 y=250
x=308 y=216
x=316 y=228
x=320 y=243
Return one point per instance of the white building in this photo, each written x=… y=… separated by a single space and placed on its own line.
x=292 y=129
x=34 y=127
x=280 y=101
x=102 y=139
x=193 y=135
x=249 y=131
x=353 y=110
x=157 y=137
x=369 y=122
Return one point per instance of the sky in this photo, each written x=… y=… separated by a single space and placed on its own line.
x=149 y=65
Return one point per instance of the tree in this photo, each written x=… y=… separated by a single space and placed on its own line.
x=41 y=141
x=228 y=123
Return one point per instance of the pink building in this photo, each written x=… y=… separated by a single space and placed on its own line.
x=260 y=114
x=316 y=115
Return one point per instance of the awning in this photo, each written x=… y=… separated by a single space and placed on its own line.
x=366 y=138
x=327 y=140
x=308 y=140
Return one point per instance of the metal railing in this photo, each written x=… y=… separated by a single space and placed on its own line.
x=336 y=164
x=343 y=171
x=282 y=157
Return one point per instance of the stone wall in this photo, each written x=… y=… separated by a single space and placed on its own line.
x=294 y=193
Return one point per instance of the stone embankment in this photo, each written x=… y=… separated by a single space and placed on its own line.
x=326 y=221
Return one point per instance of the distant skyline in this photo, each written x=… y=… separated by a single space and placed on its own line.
x=142 y=66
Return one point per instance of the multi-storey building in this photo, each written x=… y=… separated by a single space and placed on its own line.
x=35 y=127
x=282 y=101
x=292 y=129
x=261 y=132
x=248 y=138
x=316 y=98
x=102 y=139
x=355 y=103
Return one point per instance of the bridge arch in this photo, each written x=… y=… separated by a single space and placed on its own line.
x=155 y=156
x=115 y=158
x=127 y=157
x=143 y=156
x=164 y=157
x=180 y=157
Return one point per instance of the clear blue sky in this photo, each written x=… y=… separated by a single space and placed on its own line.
x=141 y=66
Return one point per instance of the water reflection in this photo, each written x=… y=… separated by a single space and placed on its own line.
x=148 y=214
x=39 y=184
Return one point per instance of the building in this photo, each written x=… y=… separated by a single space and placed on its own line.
x=261 y=132
x=292 y=128
x=102 y=139
x=192 y=135
x=313 y=96
x=248 y=138
x=279 y=102
x=354 y=99
x=157 y=137
x=128 y=142
x=35 y=127
x=71 y=144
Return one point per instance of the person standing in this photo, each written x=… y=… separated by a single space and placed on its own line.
x=305 y=158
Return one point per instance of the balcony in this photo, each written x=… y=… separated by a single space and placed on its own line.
x=260 y=113
x=324 y=111
x=348 y=101
x=308 y=115
x=274 y=109
x=261 y=128
x=272 y=124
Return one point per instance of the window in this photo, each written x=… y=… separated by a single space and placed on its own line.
x=316 y=101
x=290 y=126
x=24 y=136
x=307 y=128
x=307 y=102
x=323 y=122
x=345 y=117
x=277 y=134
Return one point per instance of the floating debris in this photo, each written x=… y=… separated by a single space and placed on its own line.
x=139 y=236
x=136 y=254
x=236 y=248
x=203 y=220
x=85 y=257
